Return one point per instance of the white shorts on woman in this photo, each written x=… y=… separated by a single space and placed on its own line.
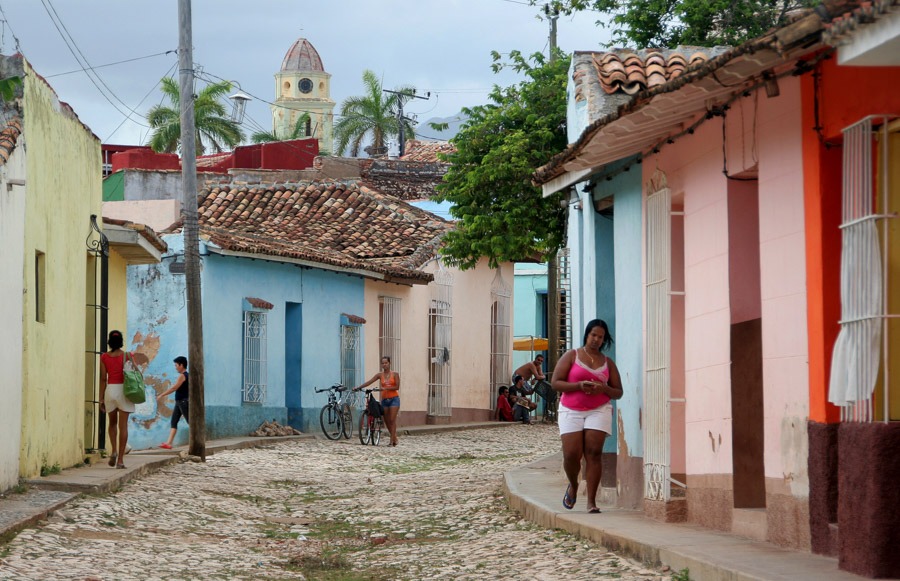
x=570 y=420
x=115 y=399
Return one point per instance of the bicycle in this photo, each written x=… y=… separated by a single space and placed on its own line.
x=346 y=403
x=331 y=418
x=370 y=425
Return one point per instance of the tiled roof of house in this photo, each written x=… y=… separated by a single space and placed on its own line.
x=145 y=231
x=8 y=137
x=407 y=180
x=856 y=16
x=427 y=151
x=343 y=224
x=631 y=72
x=717 y=77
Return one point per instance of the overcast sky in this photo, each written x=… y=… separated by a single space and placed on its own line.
x=441 y=46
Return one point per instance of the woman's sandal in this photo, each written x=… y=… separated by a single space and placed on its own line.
x=112 y=460
x=120 y=466
x=594 y=510
x=568 y=499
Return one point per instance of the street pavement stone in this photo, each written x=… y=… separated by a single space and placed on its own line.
x=430 y=508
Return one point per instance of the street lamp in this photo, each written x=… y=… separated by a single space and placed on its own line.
x=239 y=106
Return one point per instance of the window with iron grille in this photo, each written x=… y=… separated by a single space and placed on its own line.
x=351 y=356
x=440 y=319
x=389 y=331
x=255 y=377
x=501 y=367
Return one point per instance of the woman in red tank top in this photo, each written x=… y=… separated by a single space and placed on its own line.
x=112 y=398
x=389 y=381
x=587 y=380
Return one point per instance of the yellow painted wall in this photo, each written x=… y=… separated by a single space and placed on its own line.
x=118 y=296
x=63 y=190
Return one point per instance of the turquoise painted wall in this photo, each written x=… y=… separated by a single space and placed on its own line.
x=158 y=319
x=620 y=290
x=529 y=297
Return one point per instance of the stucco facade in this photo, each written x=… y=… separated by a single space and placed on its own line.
x=469 y=366
x=12 y=240
x=62 y=192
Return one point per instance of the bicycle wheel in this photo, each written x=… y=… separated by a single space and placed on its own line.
x=331 y=422
x=347 y=420
x=376 y=430
x=364 y=433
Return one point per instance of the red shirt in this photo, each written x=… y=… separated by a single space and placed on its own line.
x=115 y=367
x=504 y=410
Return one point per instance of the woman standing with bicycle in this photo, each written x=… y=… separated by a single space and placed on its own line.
x=390 y=395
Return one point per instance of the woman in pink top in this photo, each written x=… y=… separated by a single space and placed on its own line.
x=587 y=380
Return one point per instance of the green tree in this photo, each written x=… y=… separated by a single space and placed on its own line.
x=373 y=115
x=214 y=128
x=298 y=132
x=8 y=88
x=500 y=214
x=669 y=23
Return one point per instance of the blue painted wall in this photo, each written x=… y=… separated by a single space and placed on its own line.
x=529 y=306
x=622 y=244
x=303 y=339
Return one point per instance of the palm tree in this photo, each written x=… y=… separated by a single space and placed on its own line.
x=297 y=132
x=372 y=115
x=210 y=117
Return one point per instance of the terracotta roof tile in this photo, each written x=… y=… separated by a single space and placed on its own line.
x=631 y=72
x=259 y=303
x=8 y=137
x=856 y=16
x=344 y=224
x=406 y=180
x=427 y=151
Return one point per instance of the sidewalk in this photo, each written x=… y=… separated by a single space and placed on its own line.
x=48 y=494
x=536 y=491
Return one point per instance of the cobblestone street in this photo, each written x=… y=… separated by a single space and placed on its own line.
x=430 y=508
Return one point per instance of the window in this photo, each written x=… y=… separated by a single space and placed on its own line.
x=500 y=332
x=351 y=356
x=440 y=318
x=254 y=357
x=389 y=330
x=40 y=286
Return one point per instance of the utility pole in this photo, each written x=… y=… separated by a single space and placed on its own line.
x=197 y=443
x=400 y=117
x=552 y=262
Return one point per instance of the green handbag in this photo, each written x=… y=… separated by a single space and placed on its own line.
x=134 y=381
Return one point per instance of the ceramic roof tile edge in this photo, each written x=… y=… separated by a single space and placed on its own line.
x=248 y=244
x=145 y=231
x=9 y=136
x=259 y=303
x=808 y=26
x=355 y=319
x=848 y=22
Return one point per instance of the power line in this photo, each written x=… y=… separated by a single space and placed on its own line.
x=115 y=63
x=167 y=73
x=70 y=43
x=6 y=24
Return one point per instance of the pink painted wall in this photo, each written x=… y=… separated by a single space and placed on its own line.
x=765 y=134
x=783 y=286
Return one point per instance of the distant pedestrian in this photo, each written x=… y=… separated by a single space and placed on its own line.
x=522 y=404
x=389 y=381
x=181 y=390
x=587 y=379
x=112 y=397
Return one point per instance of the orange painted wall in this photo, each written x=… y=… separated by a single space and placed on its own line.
x=846 y=95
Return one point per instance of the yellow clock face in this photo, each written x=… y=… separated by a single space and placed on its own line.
x=305 y=85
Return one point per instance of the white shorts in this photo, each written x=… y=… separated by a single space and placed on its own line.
x=115 y=399
x=576 y=421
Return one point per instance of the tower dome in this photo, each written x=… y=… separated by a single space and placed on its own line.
x=302 y=57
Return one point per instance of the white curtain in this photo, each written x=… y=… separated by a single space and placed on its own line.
x=854 y=365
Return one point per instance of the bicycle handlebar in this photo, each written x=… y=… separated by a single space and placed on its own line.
x=336 y=387
x=367 y=389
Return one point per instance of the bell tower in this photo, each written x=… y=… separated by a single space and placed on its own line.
x=303 y=86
